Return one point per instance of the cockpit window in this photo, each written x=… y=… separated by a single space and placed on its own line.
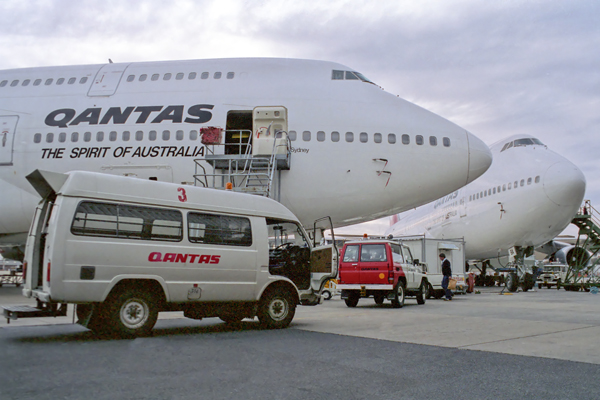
x=537 y=141
x=338 y=75
x=521 y=143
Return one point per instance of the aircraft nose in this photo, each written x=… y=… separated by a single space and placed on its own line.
x=480 y=157
x=564 y=184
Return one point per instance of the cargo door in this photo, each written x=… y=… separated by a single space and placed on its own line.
x=374 y=264
x=107 y=80
x=269 y=127
x=8 y=126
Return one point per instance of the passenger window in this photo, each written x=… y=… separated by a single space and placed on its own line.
x=349 y=137
x=405 y=139
x=522 y=182
x=192 y=76
x=499 y=189
x=87 y=136
x=373 y=253
x=152 y=135
x=537 y=179
x=154 y=77
x=446 y=142
x=219 y=229
x=127 y=222
x=126 y=136
x=204 y=75
x=99 y=136
x=320 y=136
x=494 y=191
x=48 y=82
x=3 y=83
x=83 y=80
x=167 y=77
x=351 y=253
x=292 y=135
x=74 y=137
x=60 y=81
x=166 y=135
x=230 y=75
x=392 y=138
x=306 y=136
x=335 y=136
x=477 y=195
x=37 y=138
x=217 y=75
x=433 y=140
x=489 y=192
x=377 y=138
x=419 y=140
x=509 y=186
x=363 y=137
x=179 y=76
x=143 y=77
x=37 y=82
x=26 y=82
x=516 y=184
x=112 y=136
x=504 y=187
x=14 y=83
x=130 y=78
x=71 y=81
x=193 y=135
x=179 y=135
x=62 y=137
x=49 y=137
x=139 y=136
x=529 y=181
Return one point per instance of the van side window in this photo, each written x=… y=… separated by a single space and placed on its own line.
x=127 y=222
x=351 y=253
x=373 y=253
x=219 y=229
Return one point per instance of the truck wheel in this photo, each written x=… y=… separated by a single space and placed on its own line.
x=352 y=299
x=326 y=295
x=132 y=313
x=422 y=294
x=379 y=299
x=276 y=309
x=399 y=295
x=512 y=282
x=429 y=291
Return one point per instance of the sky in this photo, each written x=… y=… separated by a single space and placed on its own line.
x=494 y=68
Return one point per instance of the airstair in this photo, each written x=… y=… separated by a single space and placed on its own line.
x=584 y=265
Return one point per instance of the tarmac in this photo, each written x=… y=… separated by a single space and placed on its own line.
x=546 y=323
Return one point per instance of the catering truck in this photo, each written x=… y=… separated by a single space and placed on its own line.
x=124 y=249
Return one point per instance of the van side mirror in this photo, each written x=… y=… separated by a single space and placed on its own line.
x=415 y=261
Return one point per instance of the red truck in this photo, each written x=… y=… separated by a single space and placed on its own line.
x=383 y=269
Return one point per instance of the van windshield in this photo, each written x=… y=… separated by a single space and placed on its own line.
x=283 y=233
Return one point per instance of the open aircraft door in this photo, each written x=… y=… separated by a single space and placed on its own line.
x=323 y=258
x=8 y=126
x=269 y=127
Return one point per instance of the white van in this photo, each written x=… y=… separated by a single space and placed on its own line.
x=124 y=249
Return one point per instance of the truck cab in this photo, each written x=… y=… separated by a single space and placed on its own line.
x=383 y=269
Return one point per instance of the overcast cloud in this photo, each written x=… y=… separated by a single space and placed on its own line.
x=494 y=68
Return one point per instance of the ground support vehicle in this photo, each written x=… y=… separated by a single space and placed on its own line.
x=11 y=272
x=382 y=269
x=330 y=289
x=124 y=249
x=426 y=252
x=551 y=275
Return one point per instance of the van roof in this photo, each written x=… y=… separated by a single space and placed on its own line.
x=107 y=187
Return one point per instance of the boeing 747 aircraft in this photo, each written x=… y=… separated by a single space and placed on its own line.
x=357 y=152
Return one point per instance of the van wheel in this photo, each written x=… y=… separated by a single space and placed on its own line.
x=379 y=299
x=352 y=299
x=399 y=295
x=132 y=313
x=422 y=294
x=276 y=309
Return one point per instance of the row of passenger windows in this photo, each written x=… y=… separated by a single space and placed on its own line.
x=47 y=82
x=147 y=223
x=113 y=136
x=179 y=76
x=363 y=137
x=503 y=188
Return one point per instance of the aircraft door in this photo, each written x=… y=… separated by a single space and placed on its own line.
x=8 y=126
x=107 y=80
x=269 y=127
x=463 y=206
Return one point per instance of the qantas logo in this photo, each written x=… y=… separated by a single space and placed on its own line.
x=196 y=114
x=183 y=258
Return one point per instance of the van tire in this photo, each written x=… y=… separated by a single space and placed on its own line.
x=379 y=298
x=422 y=293
x=399 y=295
x=276 y=309
x=131 y=313
x=352 y=299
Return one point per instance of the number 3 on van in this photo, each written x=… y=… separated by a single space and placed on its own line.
x=182 y=197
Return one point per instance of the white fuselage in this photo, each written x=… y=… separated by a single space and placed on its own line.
x=526 y=198
x=116 y=122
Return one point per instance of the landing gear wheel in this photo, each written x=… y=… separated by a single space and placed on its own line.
x=512 y=282
x=399 y=295
x=422 y=295
x=352 y=299
x=379 y=299
x=326 y=295
x=131 y=313
x=276 y=309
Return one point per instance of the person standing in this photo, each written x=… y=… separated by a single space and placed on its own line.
x=447 y=272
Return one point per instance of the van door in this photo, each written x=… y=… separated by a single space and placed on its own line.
x=324 y=258
x=374 y=264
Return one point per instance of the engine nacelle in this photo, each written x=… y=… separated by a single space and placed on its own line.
x=572 y=255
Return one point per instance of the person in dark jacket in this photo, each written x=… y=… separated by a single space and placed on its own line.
x=447 y=272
